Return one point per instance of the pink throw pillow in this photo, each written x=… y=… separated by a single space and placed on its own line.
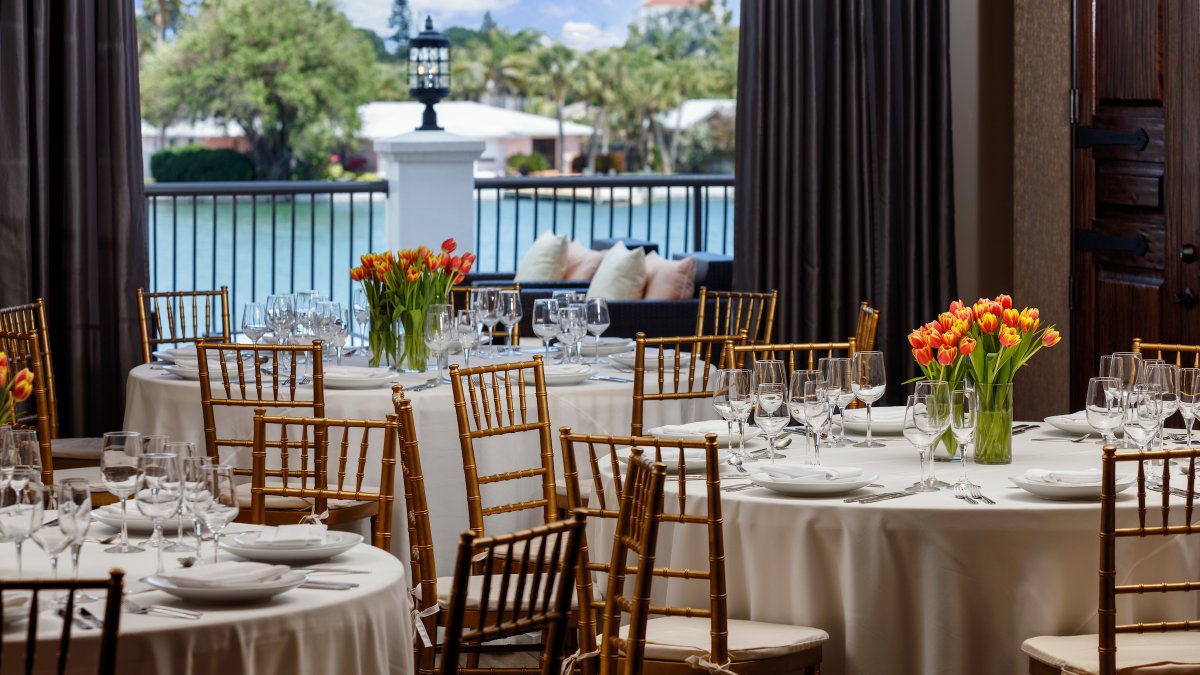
x=581 y=262
x=669 y=279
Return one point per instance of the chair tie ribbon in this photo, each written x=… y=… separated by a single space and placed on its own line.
x=417 y=615
x=568 y=663
x=700 y=663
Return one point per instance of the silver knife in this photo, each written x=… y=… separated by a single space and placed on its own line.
x=91 y=617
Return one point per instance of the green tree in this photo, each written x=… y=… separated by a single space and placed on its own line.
x=596 y=82
x=489 y=24
x=400 y=21
x=504 y=58
x=290 y=73
x=372 y=38
x=551 y=75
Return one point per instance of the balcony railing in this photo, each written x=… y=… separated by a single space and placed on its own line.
x=266 y=237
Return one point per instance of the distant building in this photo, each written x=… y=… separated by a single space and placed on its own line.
x=653 y=8
x=207 y=133
x=697 y=110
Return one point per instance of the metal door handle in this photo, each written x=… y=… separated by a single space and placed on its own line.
x=1186 y=297
x=1087 y=240
x=1187 y=253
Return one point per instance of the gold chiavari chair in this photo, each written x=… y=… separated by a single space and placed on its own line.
x=22 y=350
x=797 y=356
x=460 y=298
x=322 y=476
x=684 y=638
x=735 y=312
x=492 y=401
x=1165 y=350
x=241 y=384
x=535 y=595
x=868 y=323
x=1155 y=647
x=678 y=378
x=105 y=657
x=178 y=307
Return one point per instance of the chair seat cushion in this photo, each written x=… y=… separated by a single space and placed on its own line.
x=1157 y=653
x=77 y=448
x=675 y=638
x=280 y=502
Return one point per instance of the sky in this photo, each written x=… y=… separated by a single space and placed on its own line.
x=580 y=24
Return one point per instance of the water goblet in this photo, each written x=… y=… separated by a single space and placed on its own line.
x=837 y=375
x=770 y=413
x=439 y=333
x=21 y=507
x=1165 y=376
x=25 y=452
x=221 y=506
x=281 y=316
x=815 y=406
x=254 y=321
x=1142 y=415
x=598 y=320
x=362 y=312
x=1189 y=399
x=545 y=321
x=486 y=303
x=183 y=450
x=963 y=408
x=510 y=312
x=1103 y=407
x=119 y=455
x=75 y=515
x=159 y=491
x=466 y=332
x=196 y=494
x=921 y=433
x=868 y=382
x=55 y=539
x=572 y=328
x=731 y=390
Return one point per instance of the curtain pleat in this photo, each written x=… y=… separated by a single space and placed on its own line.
x=843 y=165
x=72 y=223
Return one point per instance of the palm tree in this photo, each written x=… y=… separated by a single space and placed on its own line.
x=504 y=60
x=551 y=75
x=648 y=88
x=595 y=82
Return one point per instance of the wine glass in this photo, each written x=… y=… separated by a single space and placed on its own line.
x=598 y=321
x=254 y=321
x=1165 y=376
x=74 y=515
x=281 y=316
x=1128 y=367
x=324 y=314
x=571 y=327
x=220 y=506
x=183 y=450
x=486 y=303
x=54 y=540
x=467 y=332
x=837 y=375
x=1189 y=398
x=119 y=455
x=545 y=321
x=362 y=312
x=921 y=432
x=159 y=491
x=768 y=371
x=868 y=382
x=815 y=406
x=510 y=312
x=196 y=494
x=796 y=398
x=340 y=331
x=304 y=304
x=938 y=394
x=770 y=413
x=731 y=389
x=439 y=333
x=1103 y=407
x=153 y=443
x=963 y=408
x=25 y=452
x=1143 y=415
x=21 y=507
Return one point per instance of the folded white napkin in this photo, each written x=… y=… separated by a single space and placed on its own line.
x=293 y=534
x=695 y=430
x=877 y=414
x=214 y=365
x=343 y=372
x=1077 y=416
x=13 y=600
x=189 y=350
x=567 y=369
x=225 y=574
x=670 y=456
x=1054 y=476
x=808 y=473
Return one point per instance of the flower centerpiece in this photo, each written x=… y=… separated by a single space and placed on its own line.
x=400 y=288
x=989 y=342
x=12 y=390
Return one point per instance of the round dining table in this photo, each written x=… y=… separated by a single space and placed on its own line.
x=366 y=630
x=926 y=583
x=158 y=402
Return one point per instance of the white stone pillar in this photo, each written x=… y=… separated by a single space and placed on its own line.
x=431 y=187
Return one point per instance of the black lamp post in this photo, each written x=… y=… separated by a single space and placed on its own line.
x=429 y=72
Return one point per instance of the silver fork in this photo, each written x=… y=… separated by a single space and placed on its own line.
x=960 y=491
x=978 y=494
x=159 y=610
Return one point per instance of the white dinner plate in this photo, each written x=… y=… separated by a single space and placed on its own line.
x=629 y=359
x=231 y=595
x=696 y=431
x=608 y=346
x=336 y=543
x=812 y=488
x=138 y=524
x=1067 y=492
x=884 y=420
x=186 y=373
x=563 y=375
x=16 y=607
x=1076 y=423
x=693 y=458
x=348 y=377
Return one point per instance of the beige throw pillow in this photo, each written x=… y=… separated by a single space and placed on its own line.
x=582 y=263
x=546 y=259
x=621 y=275
x=669 y=279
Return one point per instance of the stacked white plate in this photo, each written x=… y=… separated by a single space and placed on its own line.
x=562 y=375
x=884 y=420
x=696 y=431
x=629 y=359
x=1063 y=485
x=247 y=546
x=248 y=582
x=693 y=458
x=807 y=480
x=110 y=515
x=1075 y=423
x=357 y=377
x=188 y=368
x=607 y=346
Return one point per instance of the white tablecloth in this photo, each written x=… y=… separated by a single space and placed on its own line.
x=925 y=583
x=365 y=630
x=160 y=403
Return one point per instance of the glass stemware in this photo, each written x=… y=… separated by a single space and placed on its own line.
x=837 y=375
x=917 y=433
x=119 y=455
x=254 y=321
x=770 y=413
x=183 y=450
x=1143 y=415
x=545 y=321
x=868 y=382
x=1165 y=376
x=362 y=313
x=572 y=328
x=815 y=403
x=281 y=316
x=25 y=452
x=796 y=402
x=159 y=491
x=939 y=393
x=55 y=539
x=439 y=333
x=1103 y=407
x=221 y=505
x=466 y=330
x=196 y=494
x=74 y=515
x=486 y=303
x=731 y=391
x=598 y=321
x=21 y=506
x=1189 y=399
x=963 y=406
x=511 y=313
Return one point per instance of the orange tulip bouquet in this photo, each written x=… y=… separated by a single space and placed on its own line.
x=987 y=343
x=400 y=288
x=13 y=390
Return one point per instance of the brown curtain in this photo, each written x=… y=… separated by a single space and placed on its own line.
x=844 y=175
x=72 y=224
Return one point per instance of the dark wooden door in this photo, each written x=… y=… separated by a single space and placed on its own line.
x=1136 y=178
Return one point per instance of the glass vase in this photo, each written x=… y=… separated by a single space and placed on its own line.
x=993 y=423
x=386 y=339
x=416 y=352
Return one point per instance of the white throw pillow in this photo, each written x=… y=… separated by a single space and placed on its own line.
x=546 y=260
x=621 y=275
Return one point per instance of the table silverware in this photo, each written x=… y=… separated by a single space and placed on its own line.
x=329 y=570
x=610 y=378
x=329 y=585
x=95 y=620
x=977 y=493
x=885 y=497
x=79 y=623
x=620 y=366
x=1023 y=430
x=960 y=492
x=159 y=610
x=850 y=500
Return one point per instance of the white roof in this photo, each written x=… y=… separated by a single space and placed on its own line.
x=697 y=110
x=206 y=128
x=384 y=119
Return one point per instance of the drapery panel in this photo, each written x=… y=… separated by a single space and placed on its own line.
x=843 y=165
x=72 y=223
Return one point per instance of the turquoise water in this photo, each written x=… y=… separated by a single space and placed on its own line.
x=261 y=247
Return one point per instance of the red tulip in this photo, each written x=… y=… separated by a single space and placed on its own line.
x=988 y=323
x=449 y=245
x=966 y=346
x=933 y=338
x=923 y=355
x=1009 y=337
x=916 y=339
x=1005 y=301
x=1011 y=318
x=946 y=355
x=1051 y=338
x=22 y=385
